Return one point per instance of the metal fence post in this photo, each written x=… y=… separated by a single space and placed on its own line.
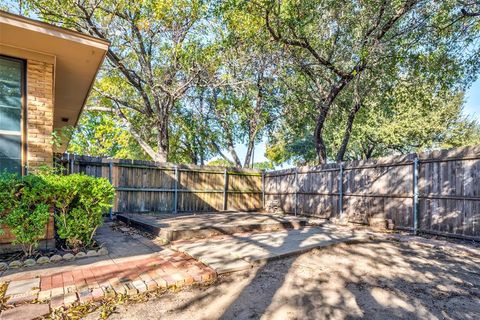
x=263 y=189
x=175 y=192
x=415 y=196
x=110 y=170
x=340 y=191
x=296 y=190
x=71 y=159
x=225 y=189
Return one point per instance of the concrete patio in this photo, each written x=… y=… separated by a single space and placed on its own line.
x=174 y=227
x=229 y=253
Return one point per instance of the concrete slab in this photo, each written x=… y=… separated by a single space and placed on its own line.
x=206 y=225
x=23 y=286
x=239 y=252
x=25 y=312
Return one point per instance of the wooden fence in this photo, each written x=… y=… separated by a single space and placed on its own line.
x=144 y=186
x=436 y=192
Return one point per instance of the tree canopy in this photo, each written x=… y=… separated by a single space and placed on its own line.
x=188 y=81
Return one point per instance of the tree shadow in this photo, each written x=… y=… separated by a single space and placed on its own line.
x=370 y=280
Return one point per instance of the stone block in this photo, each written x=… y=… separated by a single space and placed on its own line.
x=69 y=299
x=56 y=258
x=15 y=264
x=139 y=285
x=43 y=260
x=68 y=257
x=23 y=286
x=80 y=255
x=29 y=263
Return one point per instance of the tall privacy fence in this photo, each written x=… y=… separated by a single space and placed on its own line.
x=436 y=192
x=145 y=186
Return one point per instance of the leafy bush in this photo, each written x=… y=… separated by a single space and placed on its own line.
x=25 y=209
x=80 y=201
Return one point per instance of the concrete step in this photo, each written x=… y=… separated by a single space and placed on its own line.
x=198 y=228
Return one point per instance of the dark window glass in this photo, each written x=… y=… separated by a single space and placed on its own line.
x=10 y=115
x=10 y=119
x=10 y=153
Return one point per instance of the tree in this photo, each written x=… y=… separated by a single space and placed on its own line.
x=348 y=38
x=243 y=100
x=405 y=116
x=157 y=54
x=100 y=134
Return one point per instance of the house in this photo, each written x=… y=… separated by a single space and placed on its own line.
x=46 y=74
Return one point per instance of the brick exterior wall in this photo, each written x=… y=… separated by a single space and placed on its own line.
x=39 y=114
x=39 y=130
x=48 y=241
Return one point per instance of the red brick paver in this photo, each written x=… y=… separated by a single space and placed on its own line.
x=88 y=283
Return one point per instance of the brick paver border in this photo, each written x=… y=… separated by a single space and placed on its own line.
x=94 y=283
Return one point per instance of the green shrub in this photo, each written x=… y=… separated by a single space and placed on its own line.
x=25 y=208
x=8 y=187
x=80 y=201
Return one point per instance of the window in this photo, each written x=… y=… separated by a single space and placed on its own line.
x=11 y=102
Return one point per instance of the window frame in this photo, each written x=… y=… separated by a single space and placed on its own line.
x=23 y=114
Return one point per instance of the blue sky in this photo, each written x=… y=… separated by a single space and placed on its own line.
x=472 y=105
x=472 y=108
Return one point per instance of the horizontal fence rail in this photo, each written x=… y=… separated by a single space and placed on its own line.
x=435 y=192
x=144 y=186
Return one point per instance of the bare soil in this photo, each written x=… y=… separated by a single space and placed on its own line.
x=375 y=280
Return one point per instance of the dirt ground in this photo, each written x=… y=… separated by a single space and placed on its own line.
x=375 y=280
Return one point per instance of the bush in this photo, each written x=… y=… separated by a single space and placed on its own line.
x=25 y=209
x=80 y=201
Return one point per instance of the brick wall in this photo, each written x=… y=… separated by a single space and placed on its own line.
x=47 y=242
x=39 y=114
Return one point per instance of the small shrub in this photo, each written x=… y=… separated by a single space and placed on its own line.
x=25 y=208
x=80 y=201
x=8 y=188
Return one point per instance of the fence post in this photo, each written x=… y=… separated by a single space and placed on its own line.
x=296 y=190
x=175 y=192
x=340 y=191
x=263 y=189
x=225 y=189
x=71 y=159
x=110 y=170
x=415 y=196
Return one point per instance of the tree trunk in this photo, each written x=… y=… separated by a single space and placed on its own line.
x=248 y=155
x=320 y=147
x=253 y=123
x=324 y=107
x=162 y=138
x=348 y=131
x=234 y=154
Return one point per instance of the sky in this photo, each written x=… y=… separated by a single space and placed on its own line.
x=472 y=108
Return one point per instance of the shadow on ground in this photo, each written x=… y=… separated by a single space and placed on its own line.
x=375 y=280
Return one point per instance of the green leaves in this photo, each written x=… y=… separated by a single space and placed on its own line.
x=79 y=202
x=25 y=209
x=193 y=79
